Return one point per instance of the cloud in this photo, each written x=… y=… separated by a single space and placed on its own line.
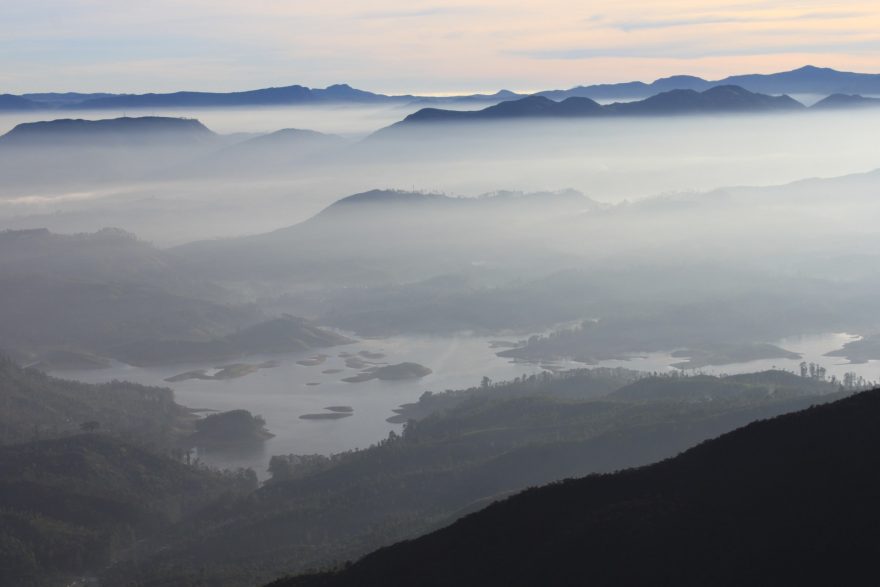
x=688 y=51
x=635 y=25
x=404 y=46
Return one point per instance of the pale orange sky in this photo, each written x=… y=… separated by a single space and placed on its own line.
x=397 y=46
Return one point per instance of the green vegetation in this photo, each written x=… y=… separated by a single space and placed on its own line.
x=233 y=371
x=73 y=505
x=34 y=406
x=398 y=372
x=789 y=501
x=465 y=449
x=235 y=427
x=729 y=354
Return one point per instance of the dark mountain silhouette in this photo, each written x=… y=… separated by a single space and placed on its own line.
x=787 y=501
x=721 y=99
x=836 y=101
x=147 y=130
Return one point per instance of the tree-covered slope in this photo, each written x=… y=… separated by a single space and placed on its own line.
x=71 y=505
x=787 y=501
x=468 y=448
x=34 y=405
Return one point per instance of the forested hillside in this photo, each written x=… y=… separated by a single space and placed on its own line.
x=788 y=501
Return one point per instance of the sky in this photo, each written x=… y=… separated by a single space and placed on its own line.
x=416 y=46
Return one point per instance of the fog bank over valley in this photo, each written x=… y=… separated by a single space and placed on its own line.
x=237 y=184
x=239 y=343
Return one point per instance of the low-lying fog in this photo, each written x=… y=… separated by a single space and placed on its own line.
x=200 y=194
x=635 y=249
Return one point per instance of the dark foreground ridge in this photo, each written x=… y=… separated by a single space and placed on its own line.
x=787 y=501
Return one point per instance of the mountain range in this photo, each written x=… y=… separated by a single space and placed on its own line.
x=720 y=99
x=805 y=80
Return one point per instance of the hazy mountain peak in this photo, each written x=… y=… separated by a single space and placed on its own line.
x=378 y=196
x=115 y=130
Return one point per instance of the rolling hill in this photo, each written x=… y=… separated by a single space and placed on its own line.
x=111 y=132
x=73 y=505
x=466 y=449
x=715 y=100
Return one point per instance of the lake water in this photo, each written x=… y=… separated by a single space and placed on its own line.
x=812 y=349
x=282 y=394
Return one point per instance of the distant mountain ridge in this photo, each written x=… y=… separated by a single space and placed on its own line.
x=11 y=102
x=835 y=101
x=716 y=100
x=386 y=232
x=111 y=131
x=805 y=80
x=274 y=96
x=295 y=94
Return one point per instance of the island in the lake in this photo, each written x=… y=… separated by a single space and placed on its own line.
x=226 y=429
x=326 y=416
x=398 y=372
x=730 y=354
x=859 y=351
x=340 y=409
x=224 y=372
